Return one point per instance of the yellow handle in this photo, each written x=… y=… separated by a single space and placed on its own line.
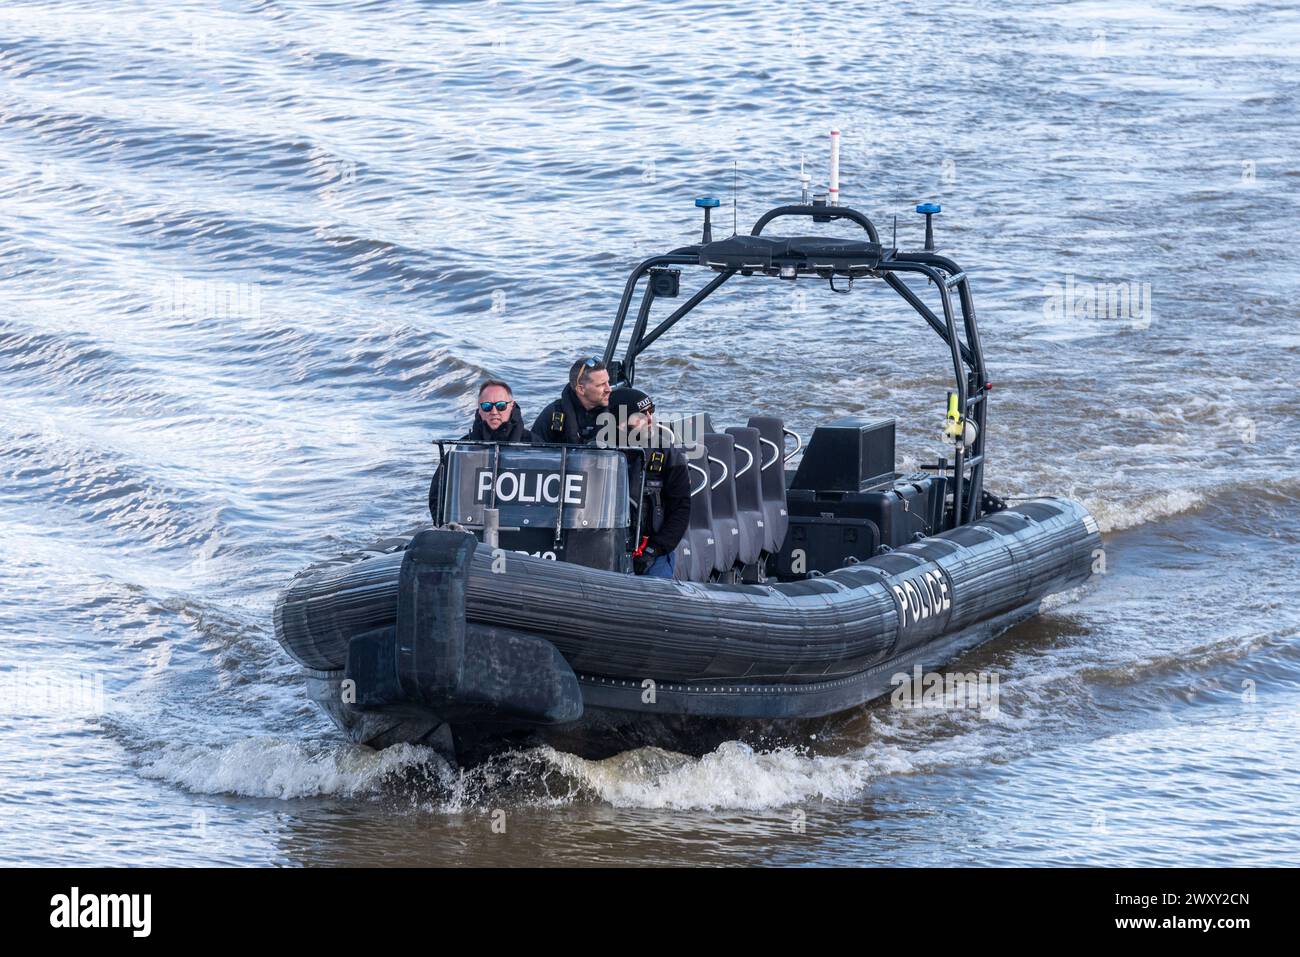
x=953 y=428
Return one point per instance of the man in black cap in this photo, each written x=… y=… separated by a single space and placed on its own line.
x=665 y=503
x=497 y=419
x=573 y=418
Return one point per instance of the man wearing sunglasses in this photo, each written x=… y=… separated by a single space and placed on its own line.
x=665 y=504
x=573 y=418
x=497 y=419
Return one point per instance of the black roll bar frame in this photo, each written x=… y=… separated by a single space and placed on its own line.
x=969 y=373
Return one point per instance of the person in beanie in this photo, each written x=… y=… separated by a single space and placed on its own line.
x=665 y=505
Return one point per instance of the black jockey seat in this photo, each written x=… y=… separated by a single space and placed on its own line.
x=749 y=493
x=697 y=552
x=771 y=441
x=722 y=468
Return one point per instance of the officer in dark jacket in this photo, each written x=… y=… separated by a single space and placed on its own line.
x=665 y=506
x=497 y=419
x=573 y=418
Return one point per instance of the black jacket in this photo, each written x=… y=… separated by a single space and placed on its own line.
x=566 y=421
x=512 y=430
x=666 y=501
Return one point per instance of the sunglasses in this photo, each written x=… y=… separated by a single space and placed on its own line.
x=593 y=361
x=499 y=406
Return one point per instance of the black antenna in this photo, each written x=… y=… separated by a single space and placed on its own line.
x=733 y=197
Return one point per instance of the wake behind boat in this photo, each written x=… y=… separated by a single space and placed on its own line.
x=801 y=588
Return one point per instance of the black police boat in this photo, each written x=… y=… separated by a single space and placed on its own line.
x=801 y=591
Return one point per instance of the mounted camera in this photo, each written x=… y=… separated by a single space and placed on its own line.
x=665 y=283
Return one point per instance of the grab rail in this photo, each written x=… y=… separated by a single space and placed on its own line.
x=818 y=213
x=749 y=464
x=776 y=454
x=725 y=472
x=704 y=484
x=798 y=442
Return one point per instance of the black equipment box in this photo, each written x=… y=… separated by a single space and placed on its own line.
x=822 y=544
x=912 y=507
x=848 y=455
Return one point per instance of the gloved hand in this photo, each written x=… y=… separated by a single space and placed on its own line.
x=641 y=563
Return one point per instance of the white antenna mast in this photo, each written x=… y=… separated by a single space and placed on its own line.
x=834 y=198
x=804 y=180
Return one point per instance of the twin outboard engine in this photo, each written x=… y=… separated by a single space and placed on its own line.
x=564 y=503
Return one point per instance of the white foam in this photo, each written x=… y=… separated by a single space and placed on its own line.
x=276 y=768
x=1061 y=599
x=732 y=777
x=1113 y=515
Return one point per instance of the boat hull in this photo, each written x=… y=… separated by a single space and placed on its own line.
x=448 y=644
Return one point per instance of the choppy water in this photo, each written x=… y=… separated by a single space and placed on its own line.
x=254 y=255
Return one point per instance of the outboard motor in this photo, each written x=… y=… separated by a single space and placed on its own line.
x=564 y=503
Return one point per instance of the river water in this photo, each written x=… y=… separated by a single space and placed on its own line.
x=255 y=255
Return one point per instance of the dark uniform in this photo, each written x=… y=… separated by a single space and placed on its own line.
x=566 y=421
x=511 y=430
x=665 y=509
x=664 y=505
